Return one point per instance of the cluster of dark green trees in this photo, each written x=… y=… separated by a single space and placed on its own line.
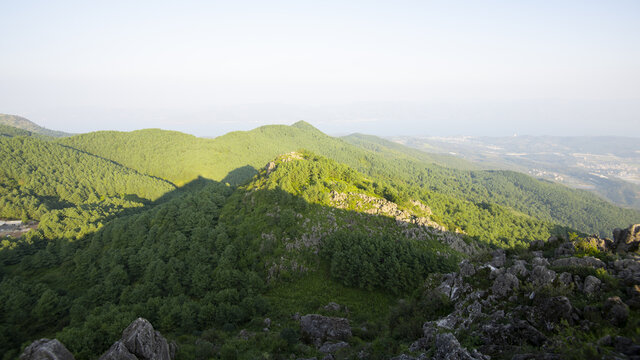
x=370 y=261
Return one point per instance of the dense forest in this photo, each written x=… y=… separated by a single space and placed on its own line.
x=234 y=157
x=207 y=238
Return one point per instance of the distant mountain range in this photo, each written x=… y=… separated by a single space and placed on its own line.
x=18 y=122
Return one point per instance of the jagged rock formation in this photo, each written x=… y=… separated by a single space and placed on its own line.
x=513 y=299
x=46 y=349
x=424 y=225
x=140 y=342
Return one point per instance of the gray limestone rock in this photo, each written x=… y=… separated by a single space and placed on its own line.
x=541 y=276
x=499 y=258
x=616 y=311
x=317 y=328
x=591 y=285
x=627 y=240
x=46 y=349
x=586 y=261
x=565 y=249
x=447 y=347
x=518 y=268
x=331 y=348
x=566 y=278
x=140 y=341
x=505 y=284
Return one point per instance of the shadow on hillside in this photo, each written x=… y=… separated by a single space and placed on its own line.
x=240 y=175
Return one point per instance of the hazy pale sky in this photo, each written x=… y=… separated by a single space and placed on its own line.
x=379 y=67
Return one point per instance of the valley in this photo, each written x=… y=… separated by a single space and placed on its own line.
x=608 y=166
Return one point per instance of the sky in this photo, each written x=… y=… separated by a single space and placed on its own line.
x=398 y=67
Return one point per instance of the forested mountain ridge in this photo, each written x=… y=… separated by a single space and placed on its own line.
x=27 y=125
x=226 y=272
x=460 y=198
x=213 y=257
x=224 y=269
x=66 y=189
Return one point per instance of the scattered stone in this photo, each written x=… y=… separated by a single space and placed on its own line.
x=332 y=348
x=505 y=284
x=318 y=329
x=46 y=349
x=421 y=344
x=552 y=310
x=616 y=311
x=586 y=261
x=467 y=269
x=565 y=249
x=518 y=268
x=499 y=258
x=626 y=346
x=566 y=278
x=447 y=347
x=591 y=285
x=539 y=261
x=542 y=276
x=332 y=307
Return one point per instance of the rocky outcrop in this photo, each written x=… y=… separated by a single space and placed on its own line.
x=448 y=348
x=616 y=311
x=626 y=240
x=515 y=299
x=586 y=261
x=140 y=341
x=504 y=284
x=318 y=329
x=46 y=349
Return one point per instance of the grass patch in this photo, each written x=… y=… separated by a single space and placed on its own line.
x=311 y=292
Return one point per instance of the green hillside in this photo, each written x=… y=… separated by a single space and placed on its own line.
x=60 y=186
x=27 y=125
x=215 y=260
x=460 y=198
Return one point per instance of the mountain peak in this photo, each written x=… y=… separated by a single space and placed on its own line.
x=25 y=124
x=304 y=125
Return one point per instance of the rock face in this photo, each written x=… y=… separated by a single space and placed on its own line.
x=627 y=240
x=504 y=284
x=586 y=261
x=616 y=311
x=317 y=328
x=46 y=349
x=448 y=348
x=140 y=342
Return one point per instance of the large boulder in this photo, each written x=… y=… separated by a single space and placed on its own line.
x=627 y=240
x=140 y=342
x=542 y=276
x=591 y=285
x=586 y=261
x=504 y=284
x=499 y=338
x=616 y=311
x=46 y=349
x=318 y=329
x=628 y=270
